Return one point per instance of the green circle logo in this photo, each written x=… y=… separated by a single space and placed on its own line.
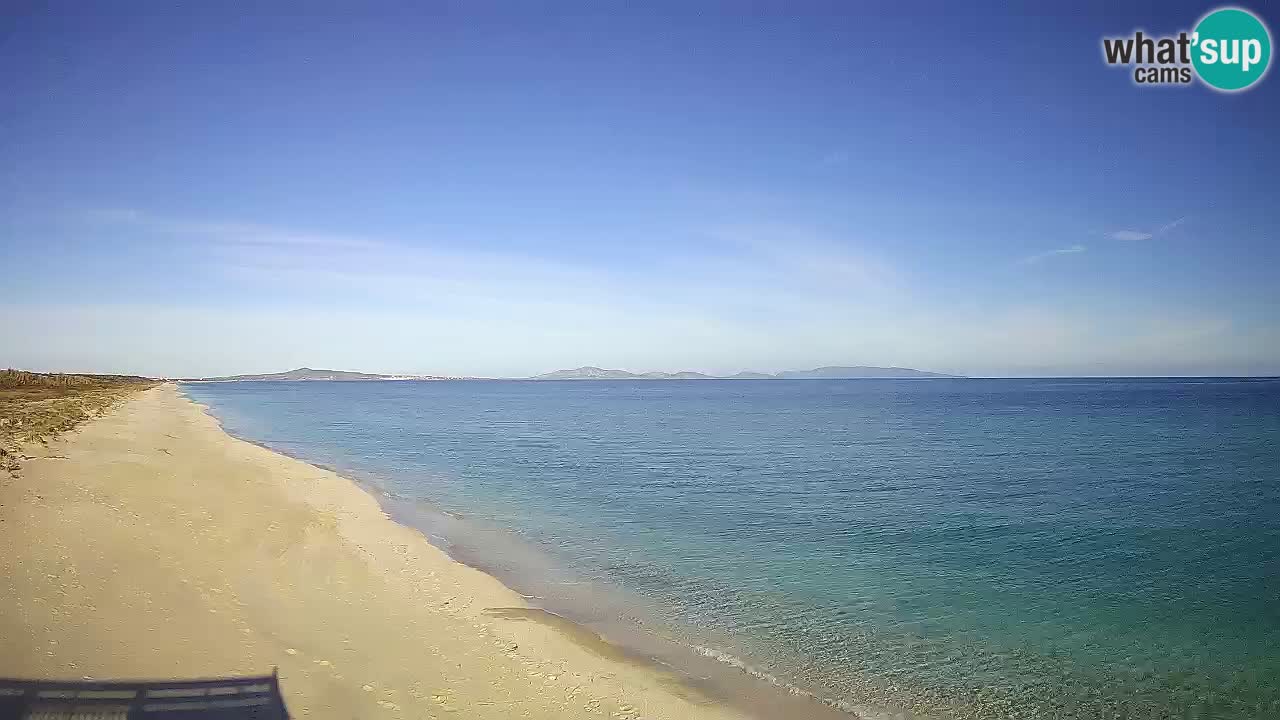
x=1232 y=49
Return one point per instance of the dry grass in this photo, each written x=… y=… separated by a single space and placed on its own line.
x=37 y=407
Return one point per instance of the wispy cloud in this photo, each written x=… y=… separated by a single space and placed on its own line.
x=1169 y=226
x=233 y=233
x=305 y=262
x=746 y=271
x=1138 y=235
x=1130 y=235
x=1050 y=254
x=802 y=256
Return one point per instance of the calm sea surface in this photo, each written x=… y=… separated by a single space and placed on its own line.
x=974 y=548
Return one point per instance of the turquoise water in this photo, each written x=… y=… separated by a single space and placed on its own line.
x=968 y=548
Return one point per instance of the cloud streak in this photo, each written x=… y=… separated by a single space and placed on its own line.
x=1140 y=235
x=1130 y=235
x=747 y=273
x=1050 y=254
x=232 y=233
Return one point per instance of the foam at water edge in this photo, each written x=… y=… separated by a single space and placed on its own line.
x=863 y=712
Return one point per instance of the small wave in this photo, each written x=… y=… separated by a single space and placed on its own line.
x=860 y=711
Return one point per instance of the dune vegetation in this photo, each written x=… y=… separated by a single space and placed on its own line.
x=37 y=407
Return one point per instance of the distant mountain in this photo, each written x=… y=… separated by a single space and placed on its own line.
x=589 y=373
x=311 y=374
x=830 y=372
x=686 y=375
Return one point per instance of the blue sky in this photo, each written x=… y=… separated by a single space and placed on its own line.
x=511 y=188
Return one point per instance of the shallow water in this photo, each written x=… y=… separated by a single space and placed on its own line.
x=973 y=548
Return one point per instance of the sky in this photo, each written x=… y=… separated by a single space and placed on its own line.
x=503 y=189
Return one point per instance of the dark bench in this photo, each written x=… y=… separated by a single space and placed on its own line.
x=206 y=699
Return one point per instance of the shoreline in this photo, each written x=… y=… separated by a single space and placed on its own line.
x=149 y=543
x=712 y=674
x=152 y=543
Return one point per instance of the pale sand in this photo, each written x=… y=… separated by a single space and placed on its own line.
x=151 y=544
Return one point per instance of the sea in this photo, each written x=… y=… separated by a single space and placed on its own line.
x=1084 y=549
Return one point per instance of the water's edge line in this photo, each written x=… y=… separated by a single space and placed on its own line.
x=728 y=660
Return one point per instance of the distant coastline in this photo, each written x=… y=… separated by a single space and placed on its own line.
x=831 y=372
x=303 y=374
x=589 y=372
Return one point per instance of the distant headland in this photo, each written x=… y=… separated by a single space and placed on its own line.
x=312 y=374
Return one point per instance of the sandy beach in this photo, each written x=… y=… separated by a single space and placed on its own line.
x=151 y=544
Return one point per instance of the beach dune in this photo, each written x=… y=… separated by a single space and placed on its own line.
x=151 y=544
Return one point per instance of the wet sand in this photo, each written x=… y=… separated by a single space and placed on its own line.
x=151 y=544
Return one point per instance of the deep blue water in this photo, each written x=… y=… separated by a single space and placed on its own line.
x=978 y=548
